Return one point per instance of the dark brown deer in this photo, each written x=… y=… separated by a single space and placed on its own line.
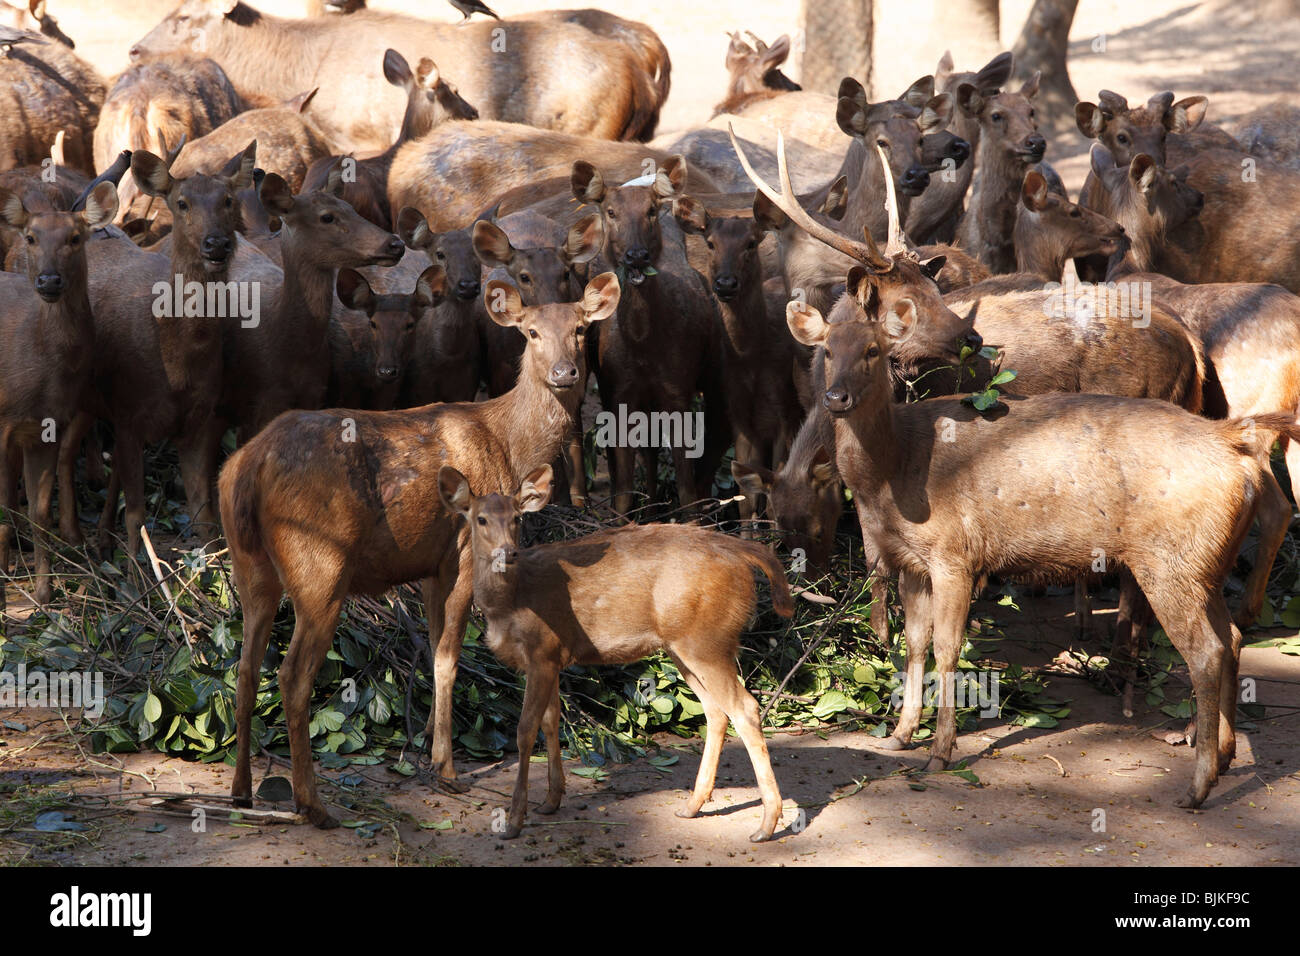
x=615 y=597
x=45 y=90
x=34 y=16
x=1250 y=334
x=371 y=345
x=764 y=366
x=1272 y=132
x=47 y=347
x=946 y=512
x=933 y=215
x=446 y=360
x=430 y=100
x=282 y=360
x=359 y=111
x=160 y=379
x=1009 y=144
x=324 y=504
x=664 y=345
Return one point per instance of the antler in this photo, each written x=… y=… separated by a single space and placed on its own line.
x=894 y=244
x=867 y=253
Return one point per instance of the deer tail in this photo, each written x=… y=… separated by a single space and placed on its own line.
x=763 y=558
x=1244 y=431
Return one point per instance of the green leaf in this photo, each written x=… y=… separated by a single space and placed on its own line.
x=831 y=702
x=1003 y=377
x=404 y=767
x=152 y=708
x=440 y=825
x=1036 y=720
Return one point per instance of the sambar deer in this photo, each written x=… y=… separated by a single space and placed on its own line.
x=323 y=504
x=1171 y=501
x=614 y=597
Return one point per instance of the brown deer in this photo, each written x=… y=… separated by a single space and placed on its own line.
x=615 y=597
x=34 y=17
x=359 y=111
x=663 y=347
x=161 y=378
x=933 y=215
x=430 y=100
x=1250 y=334
x=371 y=345
x=324 y=504
x=169 y=100
x=764 y=366
x=1272 y=132
x=755 y=72
x=1009 y=143
x=946 y=512
x=46 y=90
x=48 y=340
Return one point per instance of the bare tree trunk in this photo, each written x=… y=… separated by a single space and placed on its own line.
x=1043 y=45
x=838 y=35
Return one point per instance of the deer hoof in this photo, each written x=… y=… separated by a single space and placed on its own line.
x=686 y=813
x=1188 y=801
x=511 y=831
x=892 y=743
x=549 y=807
x=936 y=765
x=243 y=803
x=320 y=818
x=759 y=836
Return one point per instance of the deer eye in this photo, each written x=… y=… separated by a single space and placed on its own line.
x=76 y=239
x=650 y=214
x=30 y=240
x=1031 y=112
x=525 y=277
x=182 y=205
x=440 y=254
x=752 y=245
x=873 y=351
x=609 y=213
x=882 y=143
x=709 y=243
x=482 y=521
x=327 y=218
x=374 y=325
x=532 y=334
x=229 y=202
x=1075 y=214
x=1122 y=138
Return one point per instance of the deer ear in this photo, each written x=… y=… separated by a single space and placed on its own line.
x=1029 y=89
x=821 y=470
x=1090 y=119
x=691 y=215
x=413 y=228
x=600 y=298
x=334 y=180
x=777 y=53
x=491 y=244
x=1186 y=114
x=860 y=286
x=919 y=93
x=504 y=304
x=767 y=215
x=944 y=69
x=299 y=103
x=535 y=491
x=851 y=116
x=969 y=100
x=806 y=323
x=100 y=206
x=150 y=173
x=670 y=178
x=12 y=210
x=836 y=201
x=937 y=113
x=396 y=70
x=738 y=53
x=753 y=480
x=1100 y=160
x=900 y=321
x=994 y=74
x=427 y=74
x=240 y=168
x=851 y=89
x=430 y=288
x=1033 y=191
x=353 y=290
x=1143 y=172
x=454 y=491
x=931 y=267
x=586 y=182
x=584 y=240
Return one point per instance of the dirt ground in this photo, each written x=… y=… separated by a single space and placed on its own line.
x=1040 y=790
x=1098 y=789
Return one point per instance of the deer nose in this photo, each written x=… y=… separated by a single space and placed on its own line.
x=135 y=53
x=216 y=247
x=726 y=286
x=974 y=340
x=467 y=289
x=564 y=374
x=837 y=399
x=639 y=257
x=914 y=180
x=49 y=285
x=1036 y=144
x=395 y=246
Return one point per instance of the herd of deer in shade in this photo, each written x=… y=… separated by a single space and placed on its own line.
x=417 y=243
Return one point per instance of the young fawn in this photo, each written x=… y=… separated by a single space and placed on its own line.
x=615 y=597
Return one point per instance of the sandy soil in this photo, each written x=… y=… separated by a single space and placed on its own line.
x=1038 y=801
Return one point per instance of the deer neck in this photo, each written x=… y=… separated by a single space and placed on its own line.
x=455 y=331
x=636 y=310
x=495 y=584
x=743 y=318
x=308 y=292
x=68 y=328
x=997 y=197
x=866 y=442
x=531 y=421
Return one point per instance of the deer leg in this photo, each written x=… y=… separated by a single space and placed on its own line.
x=554 y=762
x=1274 y=514
x=1190 y=620
x=108 y=516
x=540 y=687
x=73 y=437
x=446 y=657
x=1131 y=620
x=197 y=467
x=10 y=462
x=918 y=629
x=316 y=617
x=622 y=473
x=1082 y=608
x=687 y=494
x=40 y=462
x=715 y=736
x=951 y=602
x=259 y=597
x=720 y=681
x=746 y=451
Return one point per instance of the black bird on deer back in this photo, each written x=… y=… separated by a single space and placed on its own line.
x=471 y=7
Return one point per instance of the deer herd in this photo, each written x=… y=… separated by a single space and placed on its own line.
x=394 y=256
